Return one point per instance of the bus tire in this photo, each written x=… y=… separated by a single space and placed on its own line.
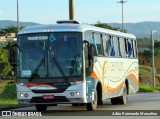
x=114 y=101
x=75 y=105
x=92 y=105
x=124 y=98
x=41 y=108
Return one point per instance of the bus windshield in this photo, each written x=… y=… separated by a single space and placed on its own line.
x=50 y=55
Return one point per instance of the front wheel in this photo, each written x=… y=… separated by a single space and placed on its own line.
x=92 y=105
x=41 y=108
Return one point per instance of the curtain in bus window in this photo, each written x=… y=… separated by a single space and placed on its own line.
x=112 y=51
x=122 y=47
x=107 y=45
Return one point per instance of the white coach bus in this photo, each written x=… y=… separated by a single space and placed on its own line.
x=72 y=63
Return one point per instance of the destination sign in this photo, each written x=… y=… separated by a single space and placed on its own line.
x=38 y=38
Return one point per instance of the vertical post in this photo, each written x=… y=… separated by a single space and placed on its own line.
x=71 y=9
x=122 y=18
x=18 y=26
x=122 y=2
x=153 y=66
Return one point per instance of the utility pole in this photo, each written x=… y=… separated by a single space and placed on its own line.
x=18 y=25
x=71 y=9
x=122 y=2
x=153 y=66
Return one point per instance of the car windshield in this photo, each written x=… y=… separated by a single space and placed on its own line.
x=50 y=55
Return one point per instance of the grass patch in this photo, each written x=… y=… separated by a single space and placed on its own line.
x=148 y=88
x=8 y=103
x=8 y=94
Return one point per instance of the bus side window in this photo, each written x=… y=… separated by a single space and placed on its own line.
x=98 y=43
x=107 y=45
x=114 y=46
x=130 y=50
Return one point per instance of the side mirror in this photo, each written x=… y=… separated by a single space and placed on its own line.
x=12 y=55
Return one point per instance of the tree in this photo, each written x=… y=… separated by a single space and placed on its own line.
x=11 y=29
x=106 y=26
x=157 y=44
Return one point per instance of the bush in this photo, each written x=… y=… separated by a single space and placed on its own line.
x=5 y=67
x=147 y=68
x=9 y=91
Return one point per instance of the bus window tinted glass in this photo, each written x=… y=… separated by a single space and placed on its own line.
x=98 y=44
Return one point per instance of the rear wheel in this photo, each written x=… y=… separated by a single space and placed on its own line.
x=41 y=108
x=114 y=101
x=124 y=98
x=92 y=105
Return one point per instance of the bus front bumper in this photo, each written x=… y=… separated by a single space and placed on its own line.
x=66 y=97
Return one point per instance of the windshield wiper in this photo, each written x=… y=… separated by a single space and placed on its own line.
x=36 y=70
x=60 y=69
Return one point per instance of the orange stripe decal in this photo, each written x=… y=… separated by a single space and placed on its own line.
x=94 y=75
x=117 y=88
x=134 y=77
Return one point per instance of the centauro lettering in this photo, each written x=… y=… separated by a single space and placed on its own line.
x=117 y=66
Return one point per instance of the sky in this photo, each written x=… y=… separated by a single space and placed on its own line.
x=86 y=11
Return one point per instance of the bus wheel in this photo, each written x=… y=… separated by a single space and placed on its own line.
x=75 y=105
x=41 y=108
x=124 y=98
x=92 y=105
x=114 y=101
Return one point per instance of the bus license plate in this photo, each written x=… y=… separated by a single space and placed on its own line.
x=46 y=97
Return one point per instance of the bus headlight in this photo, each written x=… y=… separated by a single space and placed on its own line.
x=21 y=94
x=77 y=93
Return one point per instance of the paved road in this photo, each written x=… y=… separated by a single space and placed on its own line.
x=141 y=101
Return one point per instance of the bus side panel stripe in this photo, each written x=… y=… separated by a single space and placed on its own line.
x=94 y=75
x=117 y=88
